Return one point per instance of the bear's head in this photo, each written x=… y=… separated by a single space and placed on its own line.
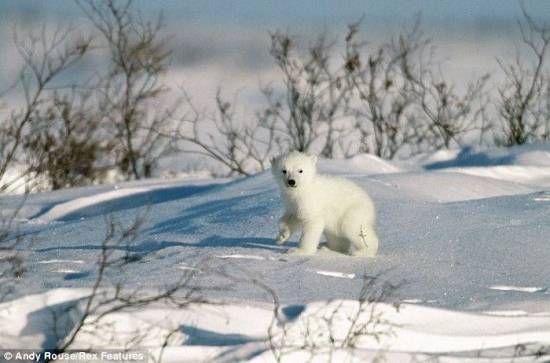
x=294 y=170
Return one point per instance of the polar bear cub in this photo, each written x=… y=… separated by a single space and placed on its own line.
x=323 y=204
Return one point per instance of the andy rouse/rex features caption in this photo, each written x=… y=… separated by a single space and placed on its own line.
x=105 y=356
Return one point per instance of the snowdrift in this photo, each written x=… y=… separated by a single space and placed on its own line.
x=469 y=241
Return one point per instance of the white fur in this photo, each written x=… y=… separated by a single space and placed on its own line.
x=325 y=204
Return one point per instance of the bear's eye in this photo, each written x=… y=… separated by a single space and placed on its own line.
x=300 y=171
x=284 y=171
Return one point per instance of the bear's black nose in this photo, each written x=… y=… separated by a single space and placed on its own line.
x=291 y=182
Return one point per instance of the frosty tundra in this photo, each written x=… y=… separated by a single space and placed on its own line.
x=323 y=204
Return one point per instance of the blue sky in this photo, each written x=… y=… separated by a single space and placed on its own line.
x=294 y=12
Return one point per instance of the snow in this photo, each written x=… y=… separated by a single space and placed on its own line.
x=239 y=329
x=364 y=164
x=518 y=288
x=336 y=274
x=464 y=232
x=64 y=209
x=528 y=154
x=246 y=257
x=61 y=261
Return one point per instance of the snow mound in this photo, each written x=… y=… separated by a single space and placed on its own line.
x=107 y=202
x=365 y=164
x=444 y=186
x=531 y=154
x=248 y=333
x=64 y=209
x=525 y=174
x=526 y=164
x=459 y=237
x=450 y=185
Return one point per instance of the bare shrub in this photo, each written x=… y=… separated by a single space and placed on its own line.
x=11 y=261
x=522 y=103
x=111 y=293
x=68 y=148
x=385 y=116
x=239 y=147
x=71 y=135
x=45 y=59
x=335 y=325
x=388 y=100
x=452 y=116
x=303 y=115
x=402 y=103
x=385 y=101
x=314 y=97
x=130 y=92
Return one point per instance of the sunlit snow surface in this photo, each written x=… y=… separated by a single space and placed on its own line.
x=470 y=243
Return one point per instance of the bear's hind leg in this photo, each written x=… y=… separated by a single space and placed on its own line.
x=337 y=244
x=365 y=241
x=358 y=228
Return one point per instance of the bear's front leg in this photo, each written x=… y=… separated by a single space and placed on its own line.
x=310 y=239
x=287 y=226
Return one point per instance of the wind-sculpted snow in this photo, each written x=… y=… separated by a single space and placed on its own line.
x=439 y=231
x=459 y=240
x=238 y=332
x=529 y=154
